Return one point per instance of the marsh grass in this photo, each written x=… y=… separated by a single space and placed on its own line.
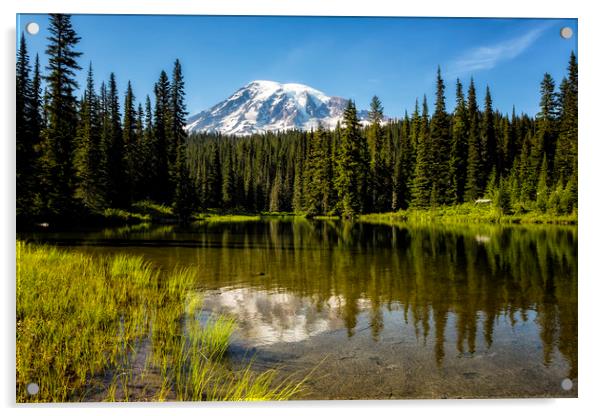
x=116 y=214
x=153 y=210
x=216 y=218
x=117 y=329
x=467 y=213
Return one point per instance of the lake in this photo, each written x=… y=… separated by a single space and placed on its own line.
x=380 y=311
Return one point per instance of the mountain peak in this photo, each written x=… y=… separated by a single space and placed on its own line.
x=263 y=105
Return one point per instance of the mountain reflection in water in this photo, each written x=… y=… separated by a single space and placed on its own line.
x=489 y=292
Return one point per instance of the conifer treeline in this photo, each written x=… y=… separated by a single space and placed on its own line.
x=76 y=157
x=80 y=156
x=518 y=162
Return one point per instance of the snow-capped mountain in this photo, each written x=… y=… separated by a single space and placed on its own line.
x=263 y=106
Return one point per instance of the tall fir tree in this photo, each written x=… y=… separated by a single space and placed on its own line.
x=351 y=166
x=317 y=174
x=403 y=166
x=440 y=147
x=546 y=122
x=214 y=179
x=25 y=134
x=60 y=131
x=148 y=157
x=459 y=147
x=565 y=162
x=185 y=196
x=423 y=185
x=380 y=177
x=161 y=178
x=474 y=166
x=129 y=144
x=89 y=159
x=176 y=134
x=118 y=188
x=542 y=186
x=489 y=148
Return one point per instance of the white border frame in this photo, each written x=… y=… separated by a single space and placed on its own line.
x=590 y=151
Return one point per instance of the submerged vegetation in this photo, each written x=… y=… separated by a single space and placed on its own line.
x=116 y=328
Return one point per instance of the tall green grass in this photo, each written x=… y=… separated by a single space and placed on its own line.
x=467 y=213
x=116 y=328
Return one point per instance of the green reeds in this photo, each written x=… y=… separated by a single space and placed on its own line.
x=96 y=328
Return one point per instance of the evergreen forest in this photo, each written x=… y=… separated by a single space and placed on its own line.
x=84 y=150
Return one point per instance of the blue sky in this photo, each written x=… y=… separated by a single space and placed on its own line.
x=394 y=58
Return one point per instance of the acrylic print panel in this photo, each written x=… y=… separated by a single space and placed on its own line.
x=289 y=208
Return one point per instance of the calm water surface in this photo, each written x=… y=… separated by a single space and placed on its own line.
x=382 y=311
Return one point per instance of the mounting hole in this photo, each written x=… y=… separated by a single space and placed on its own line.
x=33 y=388
x=566 y=32
x=32 y=28
x=566 y=384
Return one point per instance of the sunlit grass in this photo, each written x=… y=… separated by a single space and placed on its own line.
x=83 y=322
x=214 y=218
x=153 y=209
x=122 y=215
x=467 y=213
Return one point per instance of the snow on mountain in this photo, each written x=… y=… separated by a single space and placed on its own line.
x=263 y=106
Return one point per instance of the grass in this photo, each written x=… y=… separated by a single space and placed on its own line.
x=120 y=215
x=153 y=210
x=116 y=328
x=215 y=218
x=467 y=213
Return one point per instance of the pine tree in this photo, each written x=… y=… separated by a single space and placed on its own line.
x=298 y=201
x=118 y=189
x=129 y=144
x=36 y=125
x=26 y=136
x=214 y=179
x=88 y=159
x=509 y=143
x=185 y=197
x=568 y=199
x=542 y=186
x=488 y=140
x=380 y=178
x=546 y=121
x=474 y=169
x=161 y=178
x=422 y=187
x=59 y=134
x=492 y=184
x=176 y=134
x=513 y=184
x=403 y=166
x=228 y=184
x=317 y=174
x=275 y=204
x=351 y=172
x=528 y=170
x=148 y=156
x=138 y=152
x=440 y=146
x=565 y=162
x=502 y=199
x=459 y=147
x=104 y=116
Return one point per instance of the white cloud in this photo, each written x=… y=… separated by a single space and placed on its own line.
x=487 y=57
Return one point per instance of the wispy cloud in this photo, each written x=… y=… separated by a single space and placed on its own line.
x=487 y=57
